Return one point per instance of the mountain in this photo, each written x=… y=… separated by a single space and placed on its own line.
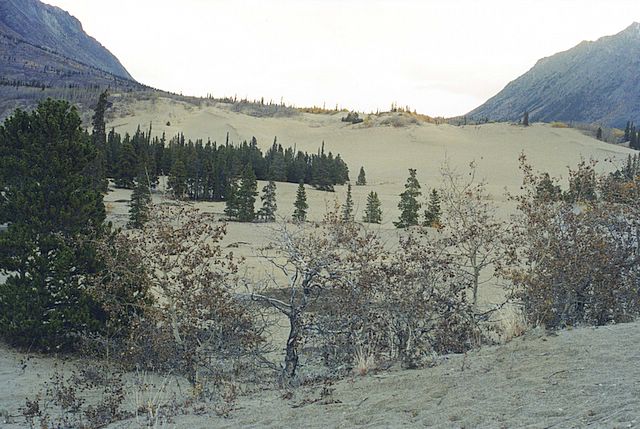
x=44 y=52
x=54 y=30
x=593 y=82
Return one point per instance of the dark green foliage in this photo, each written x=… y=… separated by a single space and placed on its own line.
x=525 y=119
x=347 y=209
x=246 y=195
x=301 y=206
x=362 y=179
x=140 y=202
x=599 y=133
x=231 y=201
x=208 y=167
x=50 y=205
x=127 y=165
x=99 y=139
x=433 y=211
x=268 y=211
x=373 y=212
x=409 y=205
x=177 y=180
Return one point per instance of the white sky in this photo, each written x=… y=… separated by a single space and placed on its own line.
x=439 y=57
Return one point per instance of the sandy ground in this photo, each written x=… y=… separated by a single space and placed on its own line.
x=385 y=152
x=579 y=378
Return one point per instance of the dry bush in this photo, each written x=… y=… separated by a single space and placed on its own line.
x=580 y=256
x=198 y=325
x=477 y=241
x=559 y=125
x=346 y=293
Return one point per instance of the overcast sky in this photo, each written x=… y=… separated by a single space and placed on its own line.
x=439 y=57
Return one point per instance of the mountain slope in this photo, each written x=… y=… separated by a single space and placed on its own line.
x=55 y=30
x=44 y=52
x=595 y=82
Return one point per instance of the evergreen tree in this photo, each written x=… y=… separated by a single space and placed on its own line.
x=127 y=165
x=300 y=212
x=177 y=180
x=51 y=208
x=409 y=205
x=99 y=139
x=140 y=202
x=347 y=210
x=362 y=179
x=627 y=131
x=599 y=133
x=269 y=206
x=433 y=212
x=231 y=200
x=373 y=211
x=525 y=119
x=246 y=195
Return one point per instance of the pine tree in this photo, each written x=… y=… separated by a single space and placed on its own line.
x=231 y=200
x=409 y=205
x=627 y=131
x=140 y=202
x=269 y=206
x=127 y=165
x=362 y=180
x=177 y=180
x=599 y=133
x=525 y=119
x=301 y=206
x=347 y=210
x=99 y=138
x=246 y=195
x=433 y=212
x=53 y=211
x=373 y=212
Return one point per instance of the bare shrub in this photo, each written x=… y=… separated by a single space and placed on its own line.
x=580 y=256
x=198 y=324
x=477 y=241
x=345 y=293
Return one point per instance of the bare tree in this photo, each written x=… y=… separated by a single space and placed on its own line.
x=199 y=324
x=474 y=236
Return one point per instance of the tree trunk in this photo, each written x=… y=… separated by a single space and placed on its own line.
x=291 y=357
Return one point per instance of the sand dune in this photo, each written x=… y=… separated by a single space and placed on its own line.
x=585 y=377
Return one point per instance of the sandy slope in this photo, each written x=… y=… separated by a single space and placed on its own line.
x=385 y=152
x=579 y=378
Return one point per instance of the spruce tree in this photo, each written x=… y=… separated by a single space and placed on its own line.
x=140 y=202
x=246 y=195
x=231 y=200
x=525 y=119
x=347 y=210
x=53 y=211
x=177 y=180
x=127 y=165
x=373 y=212
x=362 y=179
x=300 y=212
x=99 y=139
x=269 y=206
x=433 y=212
x=409 y=205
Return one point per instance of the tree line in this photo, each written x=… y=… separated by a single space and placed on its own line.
x=208 y=171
